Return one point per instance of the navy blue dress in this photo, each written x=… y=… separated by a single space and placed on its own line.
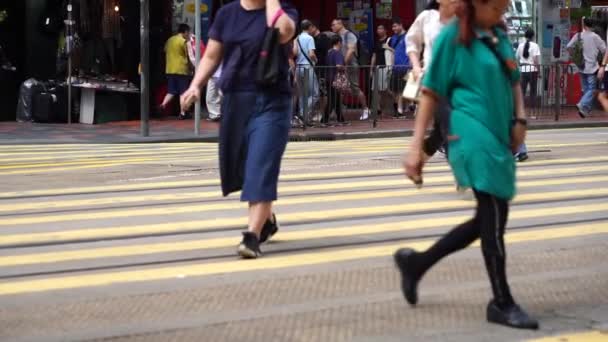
x=255 y=121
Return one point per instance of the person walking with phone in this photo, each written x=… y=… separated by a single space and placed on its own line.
x=487 y=122
x=255 y=123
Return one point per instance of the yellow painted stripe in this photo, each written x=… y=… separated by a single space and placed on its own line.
x=290 y=177
x=284 y=189
x=199 y=208
x=269 y=263
x=286 y=236
x=56 y=169
x=589 y=336
x=288 y=218
x=103 y=154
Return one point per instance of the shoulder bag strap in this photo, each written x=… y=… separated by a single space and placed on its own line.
x=302 y=52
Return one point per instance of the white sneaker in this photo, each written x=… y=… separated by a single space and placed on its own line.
x=365 y=115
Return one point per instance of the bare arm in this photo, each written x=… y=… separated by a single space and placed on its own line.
x=350 y=53
x=415 y=60
x=211 y=60
x=428 y=104
x=373 y=60
x=518 y=101
x=286 y=26
x=313 y=56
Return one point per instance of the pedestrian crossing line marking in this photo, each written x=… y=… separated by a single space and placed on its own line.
x=268 y=263
x=305 y=199
x=290 y=154
x=289 y=177
x=285 y=236
x=589 y=336
x=91 y=166
x=405 y=149
x=286 y=219
x=89 y=154
x=303 y=189
x=91 y=161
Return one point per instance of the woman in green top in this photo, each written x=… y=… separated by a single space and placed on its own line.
x=473 y=67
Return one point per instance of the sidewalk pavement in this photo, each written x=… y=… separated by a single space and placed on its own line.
x=171 y=130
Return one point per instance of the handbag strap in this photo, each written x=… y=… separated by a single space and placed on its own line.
x=302 y=51
x=276 y=17
x=503 y=62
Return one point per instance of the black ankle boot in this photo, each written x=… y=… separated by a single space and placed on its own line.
x=409 y=275
x=511 y=316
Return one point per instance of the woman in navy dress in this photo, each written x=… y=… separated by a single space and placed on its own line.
x=256 y=120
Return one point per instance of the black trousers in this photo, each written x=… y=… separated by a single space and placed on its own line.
x=335 y=103
x=530 y=79
x=489 y=225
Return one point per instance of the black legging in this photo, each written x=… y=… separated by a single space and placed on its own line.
x=489 y=225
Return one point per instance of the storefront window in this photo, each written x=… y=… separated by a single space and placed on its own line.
x=520 y=16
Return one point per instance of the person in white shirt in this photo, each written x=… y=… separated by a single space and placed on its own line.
x=424 y=31
x=421 y=36
x=214 y=96
x=528 y=56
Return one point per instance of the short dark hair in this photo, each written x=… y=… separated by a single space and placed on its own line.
x=432 y=5
x=183 y=28
x=306 y=24
x=397 y=20
x=588 y=22
x=335 y=39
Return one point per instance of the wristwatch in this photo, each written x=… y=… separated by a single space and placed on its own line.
x=520 y=121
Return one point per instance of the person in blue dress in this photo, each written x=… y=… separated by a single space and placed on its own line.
x=256 y=120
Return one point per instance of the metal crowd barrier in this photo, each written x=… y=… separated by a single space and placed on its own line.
x=550 y=89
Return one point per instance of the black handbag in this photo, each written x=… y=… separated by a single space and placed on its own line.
x=267 y=73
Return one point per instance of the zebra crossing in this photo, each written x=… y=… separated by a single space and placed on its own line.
x=340 y=202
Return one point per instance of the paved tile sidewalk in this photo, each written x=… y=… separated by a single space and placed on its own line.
x=171 y=130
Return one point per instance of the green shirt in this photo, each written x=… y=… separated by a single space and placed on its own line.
x=476 y=85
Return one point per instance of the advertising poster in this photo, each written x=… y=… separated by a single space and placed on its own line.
x=345 y=8
x=188 y=10
x=361 y=22
x=384 y=10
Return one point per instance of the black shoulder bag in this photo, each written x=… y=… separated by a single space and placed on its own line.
x=267 y=73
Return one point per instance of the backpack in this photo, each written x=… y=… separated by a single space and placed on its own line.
x=362 y=54
x=578 y=57
x=402 y=61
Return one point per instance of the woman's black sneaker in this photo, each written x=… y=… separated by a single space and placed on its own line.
x=270 y=228
x=512 y=316
x=409 y=278
x=249 y=248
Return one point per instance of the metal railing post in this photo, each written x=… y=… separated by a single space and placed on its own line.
x=558 y=93
x=375 y=95
x=198 y=34
x=145 y=66
x=304 y=97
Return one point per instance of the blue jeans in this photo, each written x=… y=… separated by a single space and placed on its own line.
x=589 y=84
x=306 y=75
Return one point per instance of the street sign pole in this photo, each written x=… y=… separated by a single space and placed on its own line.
x=144 y=11
x=198 y=35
